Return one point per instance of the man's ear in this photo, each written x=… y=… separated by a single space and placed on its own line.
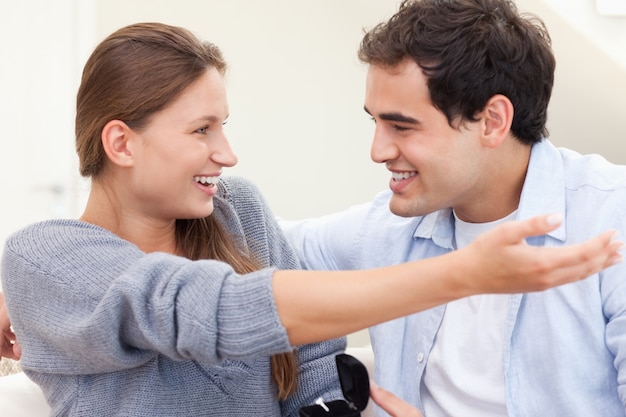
x=116 y=137
x=497 y=119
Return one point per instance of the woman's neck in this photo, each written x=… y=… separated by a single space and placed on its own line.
x=104 y=209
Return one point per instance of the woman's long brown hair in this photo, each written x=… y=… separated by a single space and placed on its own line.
x=132 y=74
x=205 y=239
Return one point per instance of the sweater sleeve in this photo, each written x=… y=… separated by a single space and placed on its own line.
x=84 y=301
x=317 y=377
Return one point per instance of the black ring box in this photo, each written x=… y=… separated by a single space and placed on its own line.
x=355 y=385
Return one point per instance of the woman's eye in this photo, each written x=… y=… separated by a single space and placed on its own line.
x=203 y=129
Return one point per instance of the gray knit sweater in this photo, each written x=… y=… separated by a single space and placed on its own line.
x=108 y=330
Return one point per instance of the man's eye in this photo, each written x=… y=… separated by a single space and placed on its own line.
x=399 y=128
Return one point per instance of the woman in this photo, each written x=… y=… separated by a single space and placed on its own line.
x=173 y=294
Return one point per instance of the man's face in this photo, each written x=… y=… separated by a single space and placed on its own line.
x=433 y=164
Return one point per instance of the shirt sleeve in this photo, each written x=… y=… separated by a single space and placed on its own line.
x=328 y=242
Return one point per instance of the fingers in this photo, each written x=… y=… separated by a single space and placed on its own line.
x=10 y=351
x=17 y=350
x=9 y=348
x=605 y=248
x=534 y=226
x=592 y=255
x=504 y=263
x=8 y=342
x=587 y=254
x=576 y=262
x=395 y=406
x=617 y=248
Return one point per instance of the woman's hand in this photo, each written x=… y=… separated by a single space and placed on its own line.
x=502 y=262
x=9 y=348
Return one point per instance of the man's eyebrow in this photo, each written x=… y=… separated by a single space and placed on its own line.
x=394 y=117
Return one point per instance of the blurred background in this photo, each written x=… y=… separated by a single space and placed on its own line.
x=295 y=90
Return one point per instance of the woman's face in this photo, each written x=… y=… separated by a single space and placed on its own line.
x=179 y=156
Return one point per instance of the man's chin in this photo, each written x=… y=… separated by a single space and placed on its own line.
x=405 y=206
x=403 y=209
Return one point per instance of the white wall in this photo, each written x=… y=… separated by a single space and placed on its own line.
x=588 y=106
x=37 y=76
x=295 y=90
x=602 y=21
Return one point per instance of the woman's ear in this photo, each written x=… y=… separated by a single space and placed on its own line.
x=497 y=119
x=116 y=137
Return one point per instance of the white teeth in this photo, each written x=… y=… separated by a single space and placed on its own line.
x=208 y=181
x=399 y=176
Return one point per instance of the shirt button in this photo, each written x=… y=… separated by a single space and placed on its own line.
x=420 y=357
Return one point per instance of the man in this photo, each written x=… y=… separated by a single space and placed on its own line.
x=464 y=141
x=459 y=91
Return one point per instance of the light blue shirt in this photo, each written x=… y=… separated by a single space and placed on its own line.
x=564 y=348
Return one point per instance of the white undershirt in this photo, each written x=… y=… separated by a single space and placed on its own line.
x=464 y=375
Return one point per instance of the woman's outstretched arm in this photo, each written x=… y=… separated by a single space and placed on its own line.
x=315 y=306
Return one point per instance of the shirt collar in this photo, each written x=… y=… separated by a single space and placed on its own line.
x=544 y=187
x=542 y=193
